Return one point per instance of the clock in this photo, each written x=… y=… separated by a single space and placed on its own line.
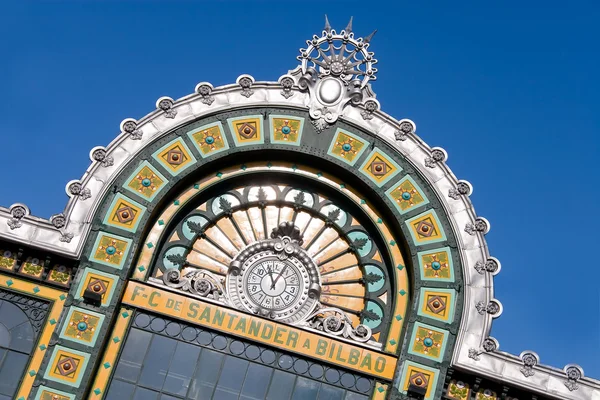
x=275 y=278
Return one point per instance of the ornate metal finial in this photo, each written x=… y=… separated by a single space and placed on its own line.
x=100 y=155
x=290 y=230
x=327 y=28
x=336 y=69
x=480 y=225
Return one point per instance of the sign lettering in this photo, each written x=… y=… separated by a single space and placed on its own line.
x=261 y=330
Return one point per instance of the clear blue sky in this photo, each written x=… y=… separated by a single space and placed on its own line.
x=510 y=90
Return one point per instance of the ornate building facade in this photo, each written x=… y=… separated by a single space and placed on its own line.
x=263 y=240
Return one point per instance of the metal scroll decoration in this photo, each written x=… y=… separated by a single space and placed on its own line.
x=334 y=321
x=199 y=282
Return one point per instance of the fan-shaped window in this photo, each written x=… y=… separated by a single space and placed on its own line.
x=20 y=319
x=351 y=265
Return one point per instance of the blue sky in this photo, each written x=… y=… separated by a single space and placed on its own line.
x=510 y=91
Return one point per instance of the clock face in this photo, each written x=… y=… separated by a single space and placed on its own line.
x=275 y=284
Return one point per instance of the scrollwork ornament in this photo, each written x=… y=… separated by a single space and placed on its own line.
x=246 y=82
x=100 y=155
x=370 y=107
x=58 y=221
x=335 y=322
x=490 y=344
x=129 y=126
x=462 y=189
x=474 y=354
x=166 y=105
x=490 y=265
x=287 y=83
x=17 y=212
x=574 y=374
x=437 y=156
x=66 y=237
x=199 y=282
x=530 y=360
x=480 y=225
x=205 y=90
x=76 y=189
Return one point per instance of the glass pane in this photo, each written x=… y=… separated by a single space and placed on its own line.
x=224 y=394
x=167 y=397
x=207 y=373
x=355 y=396
x=157 y=362
x=305 y=389
x=282 y=385
x=144 y=394
x=11 y=372
x=120 y=390
x=133 y=354
x=11 y=315
x=182 y=369
x=257 y=381
x=21 y=338
x=232 y=375
x=329 y=392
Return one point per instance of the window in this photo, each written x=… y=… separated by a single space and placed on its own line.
x=17 y=339
x=166 y=360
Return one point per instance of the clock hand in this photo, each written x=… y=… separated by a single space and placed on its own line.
x=279 y=276
x=271 y=275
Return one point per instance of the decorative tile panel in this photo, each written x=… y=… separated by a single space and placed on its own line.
x=46 y=393
x=146 y=181
x=60 y=275
x=419 y=375
x=437 y=304
x=175 y=156
x=428 y=341
x=124 y=213
x=209 y=139
x=82 y=326
x=98 y=282
x=407 y=195
x=32 y=267
x=458 y=390
x=347 y=147
x=486 y=394
x=286 y=129
x=379 y=167
x=247 y=130
x=426 y=228
x=111 y=250
x=8 y=259
x=436 y=265
x=67 y=366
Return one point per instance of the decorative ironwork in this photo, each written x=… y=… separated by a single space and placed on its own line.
x=17 y=212
x=200 y=282
x=35 y=310
x=334 y=321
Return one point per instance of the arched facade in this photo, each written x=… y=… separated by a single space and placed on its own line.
x=288 y=229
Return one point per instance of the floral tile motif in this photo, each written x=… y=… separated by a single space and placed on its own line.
x=82 y=326
x=428 y=341
x=32 y=267
x=426 y=228
x=46 y=393
x=146 y=181
x=437 y=304
x=286 y=130
x=209 y=139
x=175 y=156
x=486 y=394
x=111 y=250
x=8 y=259
x=98 y=282
x=347 y=147
x=124 y=213
x=436 y=265
x=419 y=375
x=407 y=195
x=67 y=366
x=379 y=167
x=60 y=275
x=458 y=390
x=247 y=130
